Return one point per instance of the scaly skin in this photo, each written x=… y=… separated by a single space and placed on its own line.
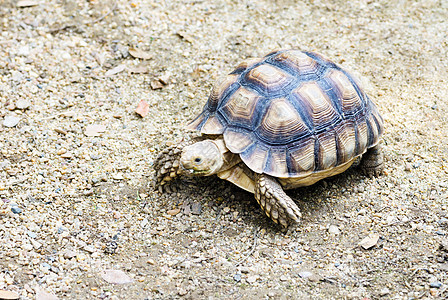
x=275 y=203
x=167 y=165
x=372 y=163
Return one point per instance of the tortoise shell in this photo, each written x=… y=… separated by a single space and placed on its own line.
x=291 y=113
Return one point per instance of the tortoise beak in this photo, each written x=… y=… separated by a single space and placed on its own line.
x=189 y=171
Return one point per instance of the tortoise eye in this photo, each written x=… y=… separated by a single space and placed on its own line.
x=197 y=160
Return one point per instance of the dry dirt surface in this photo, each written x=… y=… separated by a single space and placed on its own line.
x=80 y=220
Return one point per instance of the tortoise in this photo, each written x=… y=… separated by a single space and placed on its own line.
x=280 y=122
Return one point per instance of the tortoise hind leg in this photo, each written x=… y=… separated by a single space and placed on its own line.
x=372 y=163
x=274 y=201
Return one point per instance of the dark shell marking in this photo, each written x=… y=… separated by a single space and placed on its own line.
x=291 y=113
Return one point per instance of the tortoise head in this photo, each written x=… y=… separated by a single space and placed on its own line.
x=201 y=159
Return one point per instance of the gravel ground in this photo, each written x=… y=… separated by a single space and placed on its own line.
x=79 y=219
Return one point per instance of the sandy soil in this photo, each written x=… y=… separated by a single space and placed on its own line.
x=76 y=160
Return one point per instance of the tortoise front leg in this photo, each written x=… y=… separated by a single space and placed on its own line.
x=372 y=163
x=274 y=201
x=167 y=163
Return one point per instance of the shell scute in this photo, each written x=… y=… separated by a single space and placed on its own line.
x=276 y=162
x=223 y=86
x=301 y=157
x=281 y=123
x=349 y=100
x=255 y=156
x=213 y=125
x=373 y=129
x=297 y=62
x=268 y=80
x=346 y=143
x=362 y=135
x=318 y=105
x=238 y=140
x=240 y=107
x=326 y=150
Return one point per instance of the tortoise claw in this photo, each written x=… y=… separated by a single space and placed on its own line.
x=373 y=172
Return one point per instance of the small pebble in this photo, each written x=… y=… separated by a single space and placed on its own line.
x=182 y=292
x=67 y=155
x=8 y=295
x=43 y=295
x=369 y=241
x=165 y=78
x=407 y=167
x=116 y=277
x=173 y=212
x=114 y=71
x=142 y=108
x=237 y=277
x=443 y=221
x=235 y=216
x=89 y=249
x=17 y=76
x=333 y=229
x=305 y=274
x=88 y=193
x=61 y=131
x=94 y=130
x=23 y=104
x=156 y=85
x=16 y=209
x=11 y=121
x=196 y=208
x=27 y=3
x=111 y=247
x=362 y=211
x=69 y=254
x=144 y=223
x=118 y=176
x=384 y=291
x=435 y=284
x=32 y=234
x=186 y=210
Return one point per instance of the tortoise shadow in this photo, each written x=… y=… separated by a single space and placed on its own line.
x=313 y=201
